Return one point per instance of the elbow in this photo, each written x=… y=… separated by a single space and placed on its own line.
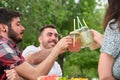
x=34 y=62
x=31 y=61
x=104 y=76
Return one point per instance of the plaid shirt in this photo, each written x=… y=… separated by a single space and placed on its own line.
x=10 y=56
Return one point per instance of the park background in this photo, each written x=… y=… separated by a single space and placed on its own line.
x=61 y=13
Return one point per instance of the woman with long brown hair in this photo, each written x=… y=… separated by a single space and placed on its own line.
x=109 y=61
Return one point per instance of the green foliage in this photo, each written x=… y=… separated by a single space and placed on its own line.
x=61 y=13
x=85 y=61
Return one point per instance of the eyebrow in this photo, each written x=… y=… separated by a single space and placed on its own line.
x=52 y=33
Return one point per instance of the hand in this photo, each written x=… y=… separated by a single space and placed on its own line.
x=94 y=46
x=98 y=38
x=13 y=75
x=64 y=43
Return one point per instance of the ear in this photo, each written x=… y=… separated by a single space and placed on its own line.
x=3 y=27
x=40 y=39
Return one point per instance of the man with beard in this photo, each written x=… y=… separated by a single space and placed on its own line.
x=11 y=32
x=48 y=38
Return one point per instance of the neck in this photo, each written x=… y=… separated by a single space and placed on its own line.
x=41 y=47
x=8 y=38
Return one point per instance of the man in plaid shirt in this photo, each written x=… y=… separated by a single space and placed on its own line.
x=11 y=33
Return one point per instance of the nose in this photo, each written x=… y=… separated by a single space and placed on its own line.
x=22 y=28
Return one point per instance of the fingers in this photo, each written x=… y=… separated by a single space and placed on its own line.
x=11 y=74
x=64 y=43
x=95 y=33
x=69 y=40
x=98 y=37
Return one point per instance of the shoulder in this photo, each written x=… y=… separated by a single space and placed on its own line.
x=30 y=49
x=112 y=28
x=5 y=48
x=112 y=24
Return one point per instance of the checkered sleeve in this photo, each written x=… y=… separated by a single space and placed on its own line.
x=9 y=58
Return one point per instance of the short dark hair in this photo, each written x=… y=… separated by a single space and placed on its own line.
x=47 y=26
x=6 y=16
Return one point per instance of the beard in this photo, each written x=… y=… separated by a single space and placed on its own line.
x=14 y=36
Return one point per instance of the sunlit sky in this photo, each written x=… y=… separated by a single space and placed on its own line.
x=99 y=1
x=76 y=1
x=104 y=2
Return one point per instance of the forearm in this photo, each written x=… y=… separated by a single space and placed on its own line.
x=43 y=54
x=43 y=68
x=38 y=57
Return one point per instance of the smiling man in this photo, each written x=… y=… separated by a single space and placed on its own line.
x=48 y=38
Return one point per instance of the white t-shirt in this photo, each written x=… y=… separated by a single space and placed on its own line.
x=55 y=70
